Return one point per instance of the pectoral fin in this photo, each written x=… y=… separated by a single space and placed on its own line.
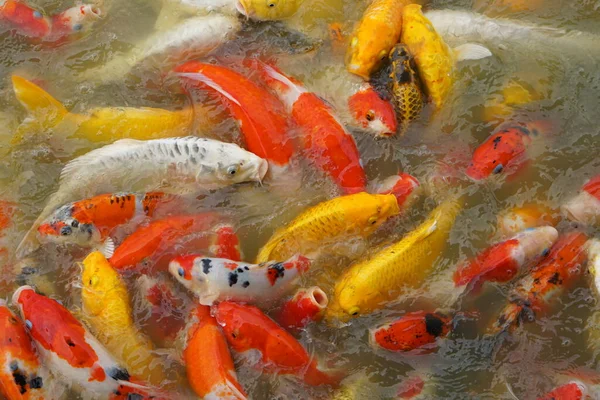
x=471 y=51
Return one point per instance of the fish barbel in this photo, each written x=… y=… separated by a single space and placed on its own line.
x=369 y=284
x=358 y=214
x=176 y=165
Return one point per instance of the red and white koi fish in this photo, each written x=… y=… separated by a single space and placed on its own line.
x=402 y=186
x=573 y=390
x=260 y=114
x=324 y=139
x=208 y=363
x=371 y=112
x=29 y=22
x=20 y=376
x=227 y=244
x=219 y=279
x=67 y=348
x=247 y=328
x=585 y=207
x=89 y=222
x=305 y=306
x=533 y=294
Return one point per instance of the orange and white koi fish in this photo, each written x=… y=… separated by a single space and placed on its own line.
x=219 y=279
x=532 y=295
x=67 y=348
x=573 y=390
x=260 y=114
x=305 y=306
x=20 y=376
x=208 y=363
x=29 y=22
x=247 y=328
x=90 y=222
x=402 y=186
x=585 y=207
x=416 y=330
x=324 y=139
x=529 y=215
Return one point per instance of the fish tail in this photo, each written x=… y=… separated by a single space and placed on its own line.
x=41 y=106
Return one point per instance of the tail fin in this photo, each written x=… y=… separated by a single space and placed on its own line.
x=41 y=106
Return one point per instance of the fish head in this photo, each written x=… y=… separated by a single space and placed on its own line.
x=268 y=9
x=182 y=268
x=372 y=211
x=22 y=296
x=78 y=18
x=240 y=166
x=98 y=279
x=241 y=325
x=372 y=113
x=535 y=243
x=68 y=230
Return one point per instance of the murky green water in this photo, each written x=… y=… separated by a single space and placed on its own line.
x=564 y=79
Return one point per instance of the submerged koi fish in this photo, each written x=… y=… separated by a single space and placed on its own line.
x=260 y=114
x=208 y=363
x=67 y=348
x=529 y=215
x=533 y=294
x=324 y=139
x=20 y=375
x=573 y=390
x=358 y=214
x=219 y=279
x=305 y=306
x=247 y=328
x=90 y=222
x=585 y=207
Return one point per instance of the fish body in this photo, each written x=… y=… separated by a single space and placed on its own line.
x=324 y=139
x=90 y=222
x=593 y=254
x=208 y=363
x=20 y=376
x=107 y=309
x=529 y=215
x=307 y=305
x=402 y=185
x=502 y=261
x=533 y=294
x=366 y=50
x=176 y=165
x=369 y=284
x=573 y=390
x=67 y=348
x=247 y=328
x=405 y=86
x=358 y=214
x=414 y=331
x=585 y=207
x=219 y=279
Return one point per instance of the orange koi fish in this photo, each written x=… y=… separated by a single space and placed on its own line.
x=89 y=222
x=573 y=390
x=67 y=348
x=260 y=114
x=532 y=295
x=247 y=328
x=402 y=186
x=416 y=330
x=585 y=207
x=324 y=139
x=208 y=363
x=19 y=375
x=529 y=215
x=306 y=306
x=372 y=113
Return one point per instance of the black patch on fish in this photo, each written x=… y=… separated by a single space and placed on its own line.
x=135 y=396
x=119 y=374
x=434 y=325
x=20 y=380
x=555 y=279
x=275 y=272
x=206 y=265
x=233 y=278
x=245 y=284
x=36 y=383
x=246 y=268
x=496 y=140
x=240 y=270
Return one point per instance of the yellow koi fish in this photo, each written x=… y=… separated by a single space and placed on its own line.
x=107 y=310
x=357 y=214
x=368 y=285
x=435 y=60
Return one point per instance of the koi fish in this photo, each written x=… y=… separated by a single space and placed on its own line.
x=219 y=279
x=247 y=328
x=90 y=222
x=405 y=86
x=324 y=139
x=176 y=165
x=434 y=59
x=358 y=214
x=416 y=330
x=403 y=186
x=208 y=363
x=593 y=254
x=573 y=390
x=305 y=306
x=67 y=348
x=260 y=114
x=107 y=310
x=227 y=243
x=369 y=284
x=529 y=215
x=367 y=51
x=532 y=295
x=21 y=374
x=585 y=207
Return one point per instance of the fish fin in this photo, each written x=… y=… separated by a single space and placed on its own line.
x=107 y=248
x=208 y=297
x=197 y=76
x=471 y=51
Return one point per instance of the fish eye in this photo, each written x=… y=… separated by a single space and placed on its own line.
x=65 y=231
x=181 y=272
x=498 y=169
x=370 y=116
x=77 y=27
x=271 y=5
x=372 y=220
x=232 y=170
x=354 y=311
